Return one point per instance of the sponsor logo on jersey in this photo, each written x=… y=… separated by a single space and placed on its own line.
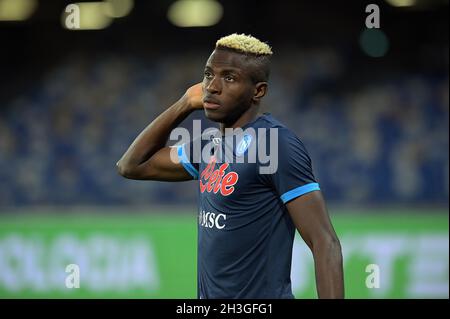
x=211 y=220
x=215 y=180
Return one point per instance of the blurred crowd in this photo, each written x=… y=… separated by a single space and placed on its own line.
x=378 y=139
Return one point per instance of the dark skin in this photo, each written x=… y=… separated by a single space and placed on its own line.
x=227 y=72
x=230 y=96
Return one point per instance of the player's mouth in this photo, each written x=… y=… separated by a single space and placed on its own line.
x=211 y=104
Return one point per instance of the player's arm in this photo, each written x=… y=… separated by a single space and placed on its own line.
x=311 y=219
x=148 y=157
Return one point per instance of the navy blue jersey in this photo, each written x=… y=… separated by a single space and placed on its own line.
x=245 y=233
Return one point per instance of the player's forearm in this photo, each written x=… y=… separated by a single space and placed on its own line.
x=155 y=135
x=329 y=269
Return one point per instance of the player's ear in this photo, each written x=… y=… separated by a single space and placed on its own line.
x=260 y=91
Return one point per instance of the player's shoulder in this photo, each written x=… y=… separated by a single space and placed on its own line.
x=267 y=120
x=289 y=143
x=284 y=133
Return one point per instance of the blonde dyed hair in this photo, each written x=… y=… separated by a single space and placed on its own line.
x=245 y=44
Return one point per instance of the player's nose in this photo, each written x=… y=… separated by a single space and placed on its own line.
x=214 y=86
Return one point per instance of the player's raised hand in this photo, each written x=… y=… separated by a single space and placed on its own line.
x=194 y=96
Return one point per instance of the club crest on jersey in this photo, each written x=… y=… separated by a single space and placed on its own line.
x=243 y=144
x=215 y=180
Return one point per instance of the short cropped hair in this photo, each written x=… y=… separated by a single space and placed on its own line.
x=245 y=44
x=257 y=53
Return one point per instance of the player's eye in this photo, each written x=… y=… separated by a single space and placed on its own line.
x=229 y=78
x=207 y=74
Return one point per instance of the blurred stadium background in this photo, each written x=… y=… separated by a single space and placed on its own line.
x=371 y=105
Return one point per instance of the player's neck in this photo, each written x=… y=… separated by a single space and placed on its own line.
x=247 y=117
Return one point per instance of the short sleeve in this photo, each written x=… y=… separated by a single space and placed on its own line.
x=191 y=154
x=188 y=158
x=294 y=176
